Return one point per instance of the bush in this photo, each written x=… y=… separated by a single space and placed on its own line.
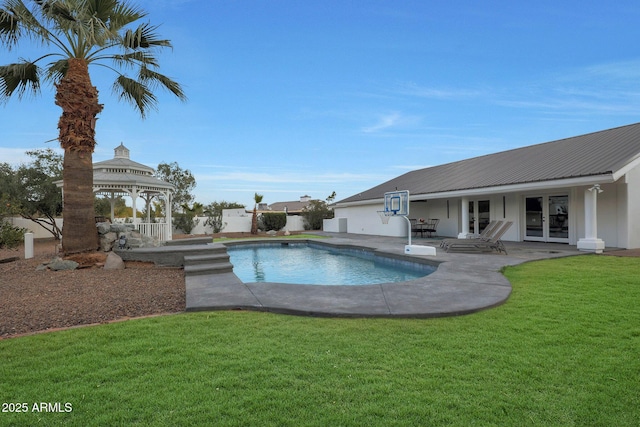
x=185 y=221
x=274 y=220
x=10 y=235
x=315 y=213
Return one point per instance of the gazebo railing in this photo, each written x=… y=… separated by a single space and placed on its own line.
x=159 y=230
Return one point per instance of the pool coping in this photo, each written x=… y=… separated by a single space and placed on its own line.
x=462 y=284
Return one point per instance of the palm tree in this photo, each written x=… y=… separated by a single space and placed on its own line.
x=254 y=219
x=80 y=33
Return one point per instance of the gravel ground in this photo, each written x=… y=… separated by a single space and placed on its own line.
x=33 y=301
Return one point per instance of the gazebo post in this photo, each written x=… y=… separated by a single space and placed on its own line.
x=112 y=202
x=168 y=217
x=134 y=197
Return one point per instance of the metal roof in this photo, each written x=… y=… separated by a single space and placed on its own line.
x=600 y=153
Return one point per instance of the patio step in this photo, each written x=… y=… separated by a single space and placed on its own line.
x=211 y=263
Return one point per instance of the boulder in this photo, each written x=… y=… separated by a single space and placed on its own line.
x=107 y=240
x=113 y=262
x=103 y=227
x=62 y=264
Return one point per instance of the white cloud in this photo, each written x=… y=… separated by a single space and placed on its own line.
x=384 y=122
x=413 y=89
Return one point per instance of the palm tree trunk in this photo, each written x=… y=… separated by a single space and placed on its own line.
x=78 y=99
x=254 y=221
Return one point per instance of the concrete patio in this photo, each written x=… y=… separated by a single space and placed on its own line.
x=463 y=283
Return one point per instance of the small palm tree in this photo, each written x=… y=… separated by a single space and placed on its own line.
x=79 y=33
x=254 y=219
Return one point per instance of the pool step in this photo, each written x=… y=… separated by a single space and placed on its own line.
x=208 y=263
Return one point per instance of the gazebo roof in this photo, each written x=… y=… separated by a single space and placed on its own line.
x=121 y=171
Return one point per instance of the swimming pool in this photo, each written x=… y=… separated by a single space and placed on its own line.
x=312 y=264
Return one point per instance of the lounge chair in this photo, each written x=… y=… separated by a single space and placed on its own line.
x=491 y=243
x=491 y=228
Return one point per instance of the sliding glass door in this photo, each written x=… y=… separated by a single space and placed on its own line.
x=479 y=215
x=547 y=218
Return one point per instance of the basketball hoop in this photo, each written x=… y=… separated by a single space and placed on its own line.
x=385 y=215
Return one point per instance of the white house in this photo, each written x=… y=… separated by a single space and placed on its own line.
x=582 y=191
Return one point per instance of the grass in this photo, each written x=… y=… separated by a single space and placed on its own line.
x=562 y=351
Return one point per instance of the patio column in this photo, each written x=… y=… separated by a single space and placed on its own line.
x=465 y=219
x=591 y=242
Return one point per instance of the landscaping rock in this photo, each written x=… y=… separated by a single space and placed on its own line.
x=114 y=262
x=109 y=237
x=61 y=264
x=103 y=227
x=107 y=240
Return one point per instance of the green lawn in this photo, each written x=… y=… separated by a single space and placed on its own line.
x=564 y=350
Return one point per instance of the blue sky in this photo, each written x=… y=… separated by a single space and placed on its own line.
x=288 y=98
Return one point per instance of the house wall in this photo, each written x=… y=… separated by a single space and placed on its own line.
x=632 y=210
x=608 y=218
x=365 y=220
x=615 y=207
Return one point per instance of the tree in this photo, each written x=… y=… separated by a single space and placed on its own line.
x=316 y=211
x=80 y=33
x=213 y=211
x=31 y=191
x=254 y=219
x=182 y=179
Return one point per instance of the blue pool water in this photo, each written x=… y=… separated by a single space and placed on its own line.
x=301 y=263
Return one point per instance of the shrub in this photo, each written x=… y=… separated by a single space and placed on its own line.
x=315 y=212
x=10 y=235
x=274 y=220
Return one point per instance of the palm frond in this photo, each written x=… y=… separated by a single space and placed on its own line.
x=133 y=59
x=135 y=93
x=19 y=78
x=17 y=21
x=57 y=70
x=9 y=28
x=124 y=14
x=156 y=79
x=144 y=37
x=57 y=10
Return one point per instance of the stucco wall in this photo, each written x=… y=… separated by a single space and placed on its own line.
x=237 y=224
x=633 y=208
x=365 y=220
x=38 y=231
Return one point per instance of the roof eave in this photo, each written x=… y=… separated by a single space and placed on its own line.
x=512 y=188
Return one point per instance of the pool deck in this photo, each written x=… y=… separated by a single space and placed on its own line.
x=463 y=283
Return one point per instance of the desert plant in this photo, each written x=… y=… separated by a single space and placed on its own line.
x=254 y=219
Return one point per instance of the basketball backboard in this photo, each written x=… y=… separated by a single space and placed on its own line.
x=397 y=202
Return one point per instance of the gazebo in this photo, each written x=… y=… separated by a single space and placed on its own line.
x=122 y=176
